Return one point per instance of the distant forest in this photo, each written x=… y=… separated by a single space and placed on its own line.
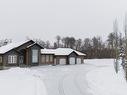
x=94 y=47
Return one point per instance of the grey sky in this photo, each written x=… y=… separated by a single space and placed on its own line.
x=47 y=18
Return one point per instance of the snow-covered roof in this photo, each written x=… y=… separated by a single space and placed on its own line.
x=11 y=46
x=48 y=51
x=61 y=51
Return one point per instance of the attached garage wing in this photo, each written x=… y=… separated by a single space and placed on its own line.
x=72 y=60
x=62 y=61
x=79 y=61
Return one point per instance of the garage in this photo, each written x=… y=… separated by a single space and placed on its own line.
x=72 y=60
x=79 y=61
x=62 y=61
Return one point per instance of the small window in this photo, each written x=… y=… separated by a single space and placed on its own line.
x=51 y=58
x=43 y=59
x=47 y=58
x=12 y=59
x=1 y=59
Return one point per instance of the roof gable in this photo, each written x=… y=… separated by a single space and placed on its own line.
x=14 y=45
x=34 y=45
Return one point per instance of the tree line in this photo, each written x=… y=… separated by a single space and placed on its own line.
x=94 y=47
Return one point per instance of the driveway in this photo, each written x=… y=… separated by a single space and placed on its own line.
x=65 y=80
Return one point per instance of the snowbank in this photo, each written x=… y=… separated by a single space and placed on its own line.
x=104 y=81
x=20 y=81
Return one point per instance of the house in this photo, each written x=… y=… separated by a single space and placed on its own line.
x=29 y=53
x=22 y=53
x=62 y=56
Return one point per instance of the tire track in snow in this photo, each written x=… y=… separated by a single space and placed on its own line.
x=77 y=84
x=60 y=86
x=75 y=80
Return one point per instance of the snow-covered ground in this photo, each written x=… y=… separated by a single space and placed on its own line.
x=19 y=81
x=95 y=77
x=103 y=80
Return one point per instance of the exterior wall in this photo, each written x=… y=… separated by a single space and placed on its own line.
x=5 y=58
x=43 y=60
x=1 y=63
x=73 y=54
x=57 y=59
x=82 y=59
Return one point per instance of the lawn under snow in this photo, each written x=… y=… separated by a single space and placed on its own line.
x=19 y=81
x=103 y=80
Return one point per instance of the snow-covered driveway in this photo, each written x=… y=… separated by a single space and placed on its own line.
x=69 y=79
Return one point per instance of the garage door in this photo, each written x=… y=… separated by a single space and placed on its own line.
x=62 y=61
x=79 y=61
x=72 y=60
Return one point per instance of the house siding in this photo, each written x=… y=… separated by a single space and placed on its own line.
x=1 y=64
x=58 y=57
x=73 y=54
x=43 y=60
x=5 y=58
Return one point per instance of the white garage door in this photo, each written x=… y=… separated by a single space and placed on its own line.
x=72 y=60
x=79 y=61
x=62 y=61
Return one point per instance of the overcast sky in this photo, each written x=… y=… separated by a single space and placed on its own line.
x=47 y=18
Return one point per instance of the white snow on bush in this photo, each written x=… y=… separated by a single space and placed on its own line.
x=105 y=81
x=21 y=81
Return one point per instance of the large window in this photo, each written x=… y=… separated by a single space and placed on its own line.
x=34 y=56
x=12 y=59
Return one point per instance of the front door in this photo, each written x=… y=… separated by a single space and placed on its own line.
x=21 y=60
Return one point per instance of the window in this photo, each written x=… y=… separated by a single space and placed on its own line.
x=47 y=58
x=1 y=59
x=51 y=58
x=12 y=59
x=43 y=59
x=34 y=56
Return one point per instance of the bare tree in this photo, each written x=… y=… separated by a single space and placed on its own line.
x=5 y=42
x=58 y=38
x=111 y=40
x=78 y=44
x=47 y=44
